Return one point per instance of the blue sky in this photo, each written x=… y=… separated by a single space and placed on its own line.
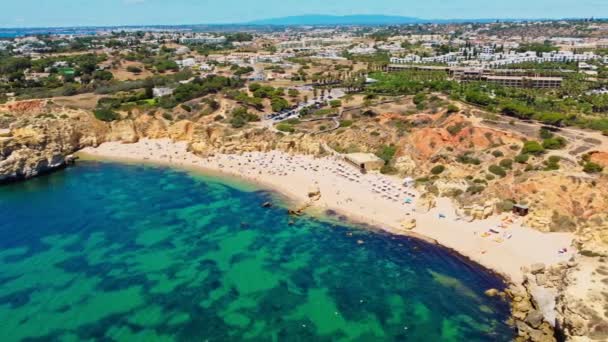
x=38 y=13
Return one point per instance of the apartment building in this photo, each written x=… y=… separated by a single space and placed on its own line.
x=202 y=40
x=525 y=81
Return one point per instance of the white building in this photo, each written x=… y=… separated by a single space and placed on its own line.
x=203 y=40
x=186 y=63
x=160 y=92
x=206 y=67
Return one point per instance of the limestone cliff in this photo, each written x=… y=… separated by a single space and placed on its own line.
x=39 y=142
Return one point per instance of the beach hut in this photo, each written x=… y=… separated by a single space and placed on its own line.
x=409 y=182
x=521 y=210
x=364 y=161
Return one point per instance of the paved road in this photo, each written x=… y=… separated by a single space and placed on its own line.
x=295 y=113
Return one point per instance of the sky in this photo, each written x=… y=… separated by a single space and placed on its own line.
x=47 y=13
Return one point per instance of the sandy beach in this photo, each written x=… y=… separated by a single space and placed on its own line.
x=376 y=199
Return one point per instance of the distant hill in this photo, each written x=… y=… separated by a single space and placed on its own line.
x=317 y=19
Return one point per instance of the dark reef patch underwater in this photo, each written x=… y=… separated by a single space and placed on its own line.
x=119 y=252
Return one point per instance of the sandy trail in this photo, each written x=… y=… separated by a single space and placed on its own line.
x=372 y=198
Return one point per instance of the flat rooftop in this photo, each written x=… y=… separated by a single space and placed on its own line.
x=535 y=78
x=362 y=158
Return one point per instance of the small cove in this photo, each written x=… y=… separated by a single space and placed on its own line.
x=132 y=252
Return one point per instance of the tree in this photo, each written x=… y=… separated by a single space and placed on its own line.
x=278 y=103
x=240 y=117
x=254 y=86
x=386 y=153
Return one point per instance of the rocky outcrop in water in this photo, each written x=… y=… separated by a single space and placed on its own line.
x=528 y=316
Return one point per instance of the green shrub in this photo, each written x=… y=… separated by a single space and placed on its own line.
x=522 y=158
x=293 y=121
x=506 y=163
x=335 y=103
x=278 y=103
x=186 y=108
x=532 y=147
x=419 y=98
x=552 y=163
x=254 y=86
x=285 y=127
x=497 y=170
x=505 y=206
x=497 y=153
x=591 y=167
x=240 y=117
x=452 y=108
x=467 y=159
x=105 y=114
x=422 y=180
x=386 y=153
x=346 y=123
x=545 y=133
x=475 y=189
x=168 y=116
x=438 y=169
x=554 y=143
x=133 y=69
x=388 y=170
x=456 y=128
x=293 y=92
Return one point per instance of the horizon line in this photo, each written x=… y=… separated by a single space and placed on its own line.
x=254 y=22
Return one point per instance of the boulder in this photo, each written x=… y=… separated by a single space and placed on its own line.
x=492 y=292
x=534 y=318
x=314 y=193
x=408 y=224
x=541 y=279
x=537 y=268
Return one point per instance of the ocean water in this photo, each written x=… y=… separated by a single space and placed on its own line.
x=118 y=252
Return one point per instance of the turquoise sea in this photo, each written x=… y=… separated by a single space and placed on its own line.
x=118 y=252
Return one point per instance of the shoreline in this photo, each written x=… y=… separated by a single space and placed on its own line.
x=336 y=216
x=353 y=195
